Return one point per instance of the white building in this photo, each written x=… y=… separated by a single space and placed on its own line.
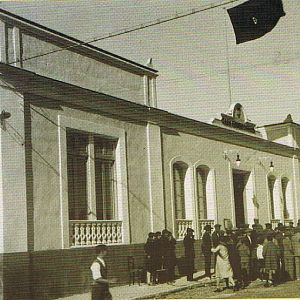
x=87 y=157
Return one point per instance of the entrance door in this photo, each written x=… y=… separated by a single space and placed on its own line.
x=239 y=184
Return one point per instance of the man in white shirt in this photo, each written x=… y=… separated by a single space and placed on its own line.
x=100 y=287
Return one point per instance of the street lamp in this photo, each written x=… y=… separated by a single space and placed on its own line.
x=226 y=156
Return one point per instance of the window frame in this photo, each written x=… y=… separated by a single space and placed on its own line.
x=106 y=130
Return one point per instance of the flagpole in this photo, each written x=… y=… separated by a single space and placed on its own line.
x=227 y=59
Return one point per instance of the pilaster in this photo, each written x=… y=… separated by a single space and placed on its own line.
x=155 y=179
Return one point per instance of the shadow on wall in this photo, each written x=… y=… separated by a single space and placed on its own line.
x=52 y=274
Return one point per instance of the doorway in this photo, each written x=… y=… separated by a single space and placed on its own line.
x=240 y=179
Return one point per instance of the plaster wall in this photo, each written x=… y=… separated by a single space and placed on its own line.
x=27 y=49
x=297 y=137
x=80 y=70
x=45 y=169
x=13 y=182
x=194 y=150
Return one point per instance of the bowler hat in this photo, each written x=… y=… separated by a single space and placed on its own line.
x=217 y=225
x=189 y=230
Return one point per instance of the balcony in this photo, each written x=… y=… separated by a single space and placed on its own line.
x=181 y=227
x=274 y=223
x=89 y=233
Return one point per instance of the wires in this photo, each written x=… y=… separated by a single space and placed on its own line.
x=134 y=28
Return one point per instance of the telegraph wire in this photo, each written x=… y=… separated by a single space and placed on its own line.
x=134 y=28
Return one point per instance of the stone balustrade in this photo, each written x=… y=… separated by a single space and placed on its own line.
x=182 y=225
x=89 y=233
x=274 y=223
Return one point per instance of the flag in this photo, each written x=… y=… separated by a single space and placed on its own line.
x=254 y=18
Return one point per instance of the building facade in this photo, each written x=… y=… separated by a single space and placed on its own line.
x=87 y=157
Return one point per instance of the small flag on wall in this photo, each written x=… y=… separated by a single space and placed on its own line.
x=254 y=18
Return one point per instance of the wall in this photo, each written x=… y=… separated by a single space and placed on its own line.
x=13 y=200
x=83 y=71
x=25 y=47
x=45 y=170
x=193 y=149
x=45 y=275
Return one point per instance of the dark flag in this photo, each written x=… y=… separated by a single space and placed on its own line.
x=254 y=18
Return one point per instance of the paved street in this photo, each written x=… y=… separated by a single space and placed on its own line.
x=255 y=290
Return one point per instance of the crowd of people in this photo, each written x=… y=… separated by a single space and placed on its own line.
x=161 y=260
x=243 y=255
x=237 y=255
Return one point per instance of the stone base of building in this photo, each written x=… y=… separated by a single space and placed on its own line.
x=57 y=273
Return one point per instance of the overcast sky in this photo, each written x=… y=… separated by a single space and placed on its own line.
x=190 y=53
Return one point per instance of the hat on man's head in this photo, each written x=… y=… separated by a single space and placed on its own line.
x=207 y=227
x=189 y=229
x=218 y=226
x=268 y=225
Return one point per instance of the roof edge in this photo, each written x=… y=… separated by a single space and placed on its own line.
x=82 y=44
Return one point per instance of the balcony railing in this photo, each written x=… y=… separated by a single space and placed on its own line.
x=202 y=224
x=89 y=233
x=287 y=222
x=274 y=223
x=181 y=227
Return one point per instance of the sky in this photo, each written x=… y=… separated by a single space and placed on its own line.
x=195 y=56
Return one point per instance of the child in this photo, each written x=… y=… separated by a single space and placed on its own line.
x=100 y=287
x=260 y=258
x=244 y=253
x=271 y=254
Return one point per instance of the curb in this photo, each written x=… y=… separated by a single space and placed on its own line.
x=175 y=290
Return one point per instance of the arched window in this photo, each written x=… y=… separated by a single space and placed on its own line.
x=179 y=173
x=271 y=184
x=201 y=177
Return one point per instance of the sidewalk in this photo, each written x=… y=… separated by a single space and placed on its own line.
x=144 y=291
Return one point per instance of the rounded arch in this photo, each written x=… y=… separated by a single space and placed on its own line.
x=236 y=110
x=205 y=192
x=180 y=158
x=182 y=196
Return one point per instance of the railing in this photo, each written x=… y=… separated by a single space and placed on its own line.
x=202 y=224
x=274 y=223
x=287 y=222
x=182 y=225
x=89 y=233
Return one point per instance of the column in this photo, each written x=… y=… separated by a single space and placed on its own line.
x=155 y=178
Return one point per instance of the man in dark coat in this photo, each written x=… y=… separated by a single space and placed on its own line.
x=206 y=249
x=150 y=250
x=296 y=250
x=168 y=244
x=158 y=252
x=216 y=235
x=189 y=252
x=268 y=231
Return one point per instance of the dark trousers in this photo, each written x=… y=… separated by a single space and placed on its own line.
x=190 y=268
x=101 y=292
x=207 y=264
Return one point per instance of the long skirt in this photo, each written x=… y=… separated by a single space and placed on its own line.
x=223 y=268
